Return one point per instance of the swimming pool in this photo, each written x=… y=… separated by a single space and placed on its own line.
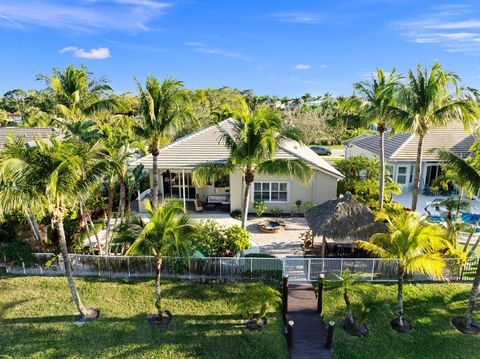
x=466 y=218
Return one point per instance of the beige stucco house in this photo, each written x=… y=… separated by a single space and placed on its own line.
x=177 y=160
x=401 y=152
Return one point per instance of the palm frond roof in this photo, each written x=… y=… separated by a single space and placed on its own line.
x=344 y=220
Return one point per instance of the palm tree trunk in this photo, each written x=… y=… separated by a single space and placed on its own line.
x=460 y=197
x=473 y=297
x=400 y=296
x=85 y=223
x=68 y=266
x=155 y=180
x=418 y=171
x=121 y=203
x=158 y=293
x=347 y=303
x=109 y=213
x=470 y=236
x=381 y=180
x=32 y=228
x=95 y=234
x=246 y=196
x=36 y=227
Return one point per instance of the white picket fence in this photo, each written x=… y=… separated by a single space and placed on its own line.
x=298 y=269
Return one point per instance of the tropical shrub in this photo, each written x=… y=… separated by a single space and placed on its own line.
x=260 y=207
x=307 y=205
x=17 y=252
x=257 y=300
x=276 y=211
x=236 y=213
x=236 y=239
x=209 y=237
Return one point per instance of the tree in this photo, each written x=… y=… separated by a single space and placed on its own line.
x=346 y=281
x=50 y=175
x=373 y=104
x=168 y=233
x=76 y=94
x=432 y=98
x=415 y=243
x=164 y=108
x=466 y=173
x=357 y=168
x=256 y=301
x=252 y=143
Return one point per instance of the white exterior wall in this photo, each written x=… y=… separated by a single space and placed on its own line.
x=354 y=150
x=322 y=188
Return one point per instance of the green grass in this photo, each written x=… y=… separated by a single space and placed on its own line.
x=477 y=250
x=429 y=307
x=36 y=321
x=336 y=147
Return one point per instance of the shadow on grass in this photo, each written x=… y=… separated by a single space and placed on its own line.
x=187 y=336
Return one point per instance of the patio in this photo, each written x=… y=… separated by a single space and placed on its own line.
x=405 y=199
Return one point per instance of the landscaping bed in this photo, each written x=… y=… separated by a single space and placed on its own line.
x=37 y=313
x=430 y=309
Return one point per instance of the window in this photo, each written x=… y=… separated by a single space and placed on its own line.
x=270 y=191
x=402 y=175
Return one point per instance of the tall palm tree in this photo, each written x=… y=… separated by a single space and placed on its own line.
x=375 y=98
x=432 y=98
x=76 y=94
x=252 y=143
x=164 y=108
x=415 y=243
x=50 y=174
x=168 y=233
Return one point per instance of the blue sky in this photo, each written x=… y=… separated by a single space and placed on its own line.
x=283 y=48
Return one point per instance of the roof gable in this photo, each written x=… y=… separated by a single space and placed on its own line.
x=206 y=145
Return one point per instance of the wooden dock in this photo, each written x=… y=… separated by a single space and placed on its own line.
x=309 y=335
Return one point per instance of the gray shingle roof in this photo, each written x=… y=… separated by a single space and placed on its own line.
x=403 y=146
x=206 y=146
x=28 y=133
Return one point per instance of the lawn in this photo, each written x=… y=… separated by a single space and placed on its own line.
x=36 y=320
x=428 y=306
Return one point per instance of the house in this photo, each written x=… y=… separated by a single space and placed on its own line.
x=29 y=134
x=177 y=160
x=401 y=151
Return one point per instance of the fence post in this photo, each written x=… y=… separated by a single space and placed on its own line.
x=23 y=266
x=285 y=294
x=321 y=283
x=331 y=326
x=251 y=268
x=220 y=267
x=309 y=268
x=373 y=270
x=341 y=267
x=290 y=334
x=128 y=266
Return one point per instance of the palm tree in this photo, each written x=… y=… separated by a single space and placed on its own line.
x=76 y=94
x=252 y=143
x=466 y=173
x=415 y=243
x=164 y=108
x=169 y=233
x=53 y=175
x=376 y=97
x=345 y=281
x=426 y=101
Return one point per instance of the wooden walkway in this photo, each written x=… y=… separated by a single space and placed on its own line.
x=309 y=335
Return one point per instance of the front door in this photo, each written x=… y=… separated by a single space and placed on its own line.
x=432 y=173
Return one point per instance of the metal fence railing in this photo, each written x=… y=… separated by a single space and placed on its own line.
x=298 y=269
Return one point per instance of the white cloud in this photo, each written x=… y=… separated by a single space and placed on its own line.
x=298 y=17
x=119 y=15
x=100 y=53
x=302 y=67
x=456 y=28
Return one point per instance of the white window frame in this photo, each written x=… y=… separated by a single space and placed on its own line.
x=252 y=195
x=402 y=174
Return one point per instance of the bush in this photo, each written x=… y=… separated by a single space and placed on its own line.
x=236 y=239
x=257 y=300
x=18 y=252
x=307 y=205
x=236 y=213
x=209 y=237
x=260 y=207
x=276 y=211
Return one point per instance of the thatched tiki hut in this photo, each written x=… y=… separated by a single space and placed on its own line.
x=343 y=220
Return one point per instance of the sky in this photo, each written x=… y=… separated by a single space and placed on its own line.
x=275 y=47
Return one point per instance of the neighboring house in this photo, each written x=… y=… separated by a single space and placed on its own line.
x=30 y=134
x=401 y=152
x=177 y=160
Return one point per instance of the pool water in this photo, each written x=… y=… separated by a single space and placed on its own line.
x=466 y=218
